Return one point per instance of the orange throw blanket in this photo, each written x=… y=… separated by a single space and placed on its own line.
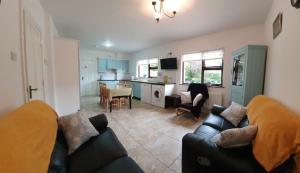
x=27 y=138
x=278 y=135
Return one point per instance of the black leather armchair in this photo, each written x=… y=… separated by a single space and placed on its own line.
x=195 y=89
x=199 y=154
x=101 y=154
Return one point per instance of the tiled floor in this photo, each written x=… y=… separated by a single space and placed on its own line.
x=151 y=135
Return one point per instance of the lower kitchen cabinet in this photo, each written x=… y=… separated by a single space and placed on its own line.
x=146 y=93
x=136 y=87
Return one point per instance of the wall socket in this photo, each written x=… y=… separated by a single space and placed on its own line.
x=13 y=56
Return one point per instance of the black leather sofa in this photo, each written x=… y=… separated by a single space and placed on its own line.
x=101 y=154
x=199 y=154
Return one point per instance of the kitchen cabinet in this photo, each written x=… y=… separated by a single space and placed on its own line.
x=102 y=65
x=146 y=93
x=248 y=73
x=136 y=89
x=122 y=66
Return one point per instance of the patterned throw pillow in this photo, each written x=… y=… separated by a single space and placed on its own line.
x=234 y=113
x=235 y=137
x=77 y=130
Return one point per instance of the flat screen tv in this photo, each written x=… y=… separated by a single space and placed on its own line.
x=168 y=64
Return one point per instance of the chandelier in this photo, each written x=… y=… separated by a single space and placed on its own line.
x=159 y=10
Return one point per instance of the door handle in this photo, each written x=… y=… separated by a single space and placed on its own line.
x=30 y=91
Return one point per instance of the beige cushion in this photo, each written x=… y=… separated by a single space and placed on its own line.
x=77 y=130
x=235 y=137
x=234 y=113
x=186 y=97
x=197 y=99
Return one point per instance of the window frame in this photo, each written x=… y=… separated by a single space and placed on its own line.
x=152 y=68
x=139 y=70
x=204 y=68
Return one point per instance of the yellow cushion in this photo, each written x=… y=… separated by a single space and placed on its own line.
x=27 y=138
x=278 y=135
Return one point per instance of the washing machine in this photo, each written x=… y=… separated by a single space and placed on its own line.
x=158 y=95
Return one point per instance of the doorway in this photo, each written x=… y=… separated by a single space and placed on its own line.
x=33 y=60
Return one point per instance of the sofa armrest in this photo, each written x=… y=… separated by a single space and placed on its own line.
x=201 y=155
x=217 y=109
x=99 y=122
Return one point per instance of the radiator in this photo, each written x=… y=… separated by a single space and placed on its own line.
x=214 y=98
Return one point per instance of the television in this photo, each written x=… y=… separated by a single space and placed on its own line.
x=168 y=64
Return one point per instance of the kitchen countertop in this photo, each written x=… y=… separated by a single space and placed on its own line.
x=142 y=81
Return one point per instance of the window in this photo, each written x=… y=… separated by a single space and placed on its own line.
x=147 y=68
x=205 y=67
x=153 y=68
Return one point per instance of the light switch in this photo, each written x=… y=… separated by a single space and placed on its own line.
x=13 y=56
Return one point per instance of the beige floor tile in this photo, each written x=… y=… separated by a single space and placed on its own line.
x=146 y=160
x=165 y=149
x=151 y=135
x=176 y=166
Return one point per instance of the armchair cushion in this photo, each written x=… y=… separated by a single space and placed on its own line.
x=197 y=99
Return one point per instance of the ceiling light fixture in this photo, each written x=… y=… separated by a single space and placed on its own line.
x=159 y=10
x=108 y=44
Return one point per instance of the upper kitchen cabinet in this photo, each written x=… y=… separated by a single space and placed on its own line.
x=122 y=66
x=248 y=73
x=102 y=65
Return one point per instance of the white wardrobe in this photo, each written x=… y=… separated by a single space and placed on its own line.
x=66 y=76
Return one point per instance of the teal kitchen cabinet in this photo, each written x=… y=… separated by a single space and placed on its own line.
x=111 y=64
x=102 y=65
x=136 y=87
x=248 y=73
x=125 y=66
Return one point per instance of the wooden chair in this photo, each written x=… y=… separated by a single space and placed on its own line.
x=115 y=101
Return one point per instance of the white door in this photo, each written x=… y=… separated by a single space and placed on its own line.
x=88 y=78
x=33 y=61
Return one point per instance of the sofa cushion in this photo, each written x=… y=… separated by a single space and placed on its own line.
x=234 y=113
x=77 y=130
x=206 y=132
x=218 y=122
x=96 y=153
x=124 y=165
x=236 y=137
x=59 y=157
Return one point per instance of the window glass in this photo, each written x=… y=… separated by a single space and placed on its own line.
x=143 y=70
x=192 y=71
x=213 y=63
x=203 y=67
x=213 y=77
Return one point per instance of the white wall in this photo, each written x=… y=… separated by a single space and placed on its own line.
x=283 y=64
x=228 y=40
x=12 y=89
x=89 y=58
x=66 y=72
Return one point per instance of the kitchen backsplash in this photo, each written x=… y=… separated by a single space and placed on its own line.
x=113 y=75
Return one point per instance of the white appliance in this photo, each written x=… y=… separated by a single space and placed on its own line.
x=159 y=92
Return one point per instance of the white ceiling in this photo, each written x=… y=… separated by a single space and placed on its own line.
x=130 y=25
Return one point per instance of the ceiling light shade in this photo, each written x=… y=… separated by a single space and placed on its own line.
x=165 y=7
x=108 y=44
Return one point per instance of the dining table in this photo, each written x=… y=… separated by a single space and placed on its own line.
x=120 y=92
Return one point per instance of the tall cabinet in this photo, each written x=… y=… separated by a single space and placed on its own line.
x=248 y=73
